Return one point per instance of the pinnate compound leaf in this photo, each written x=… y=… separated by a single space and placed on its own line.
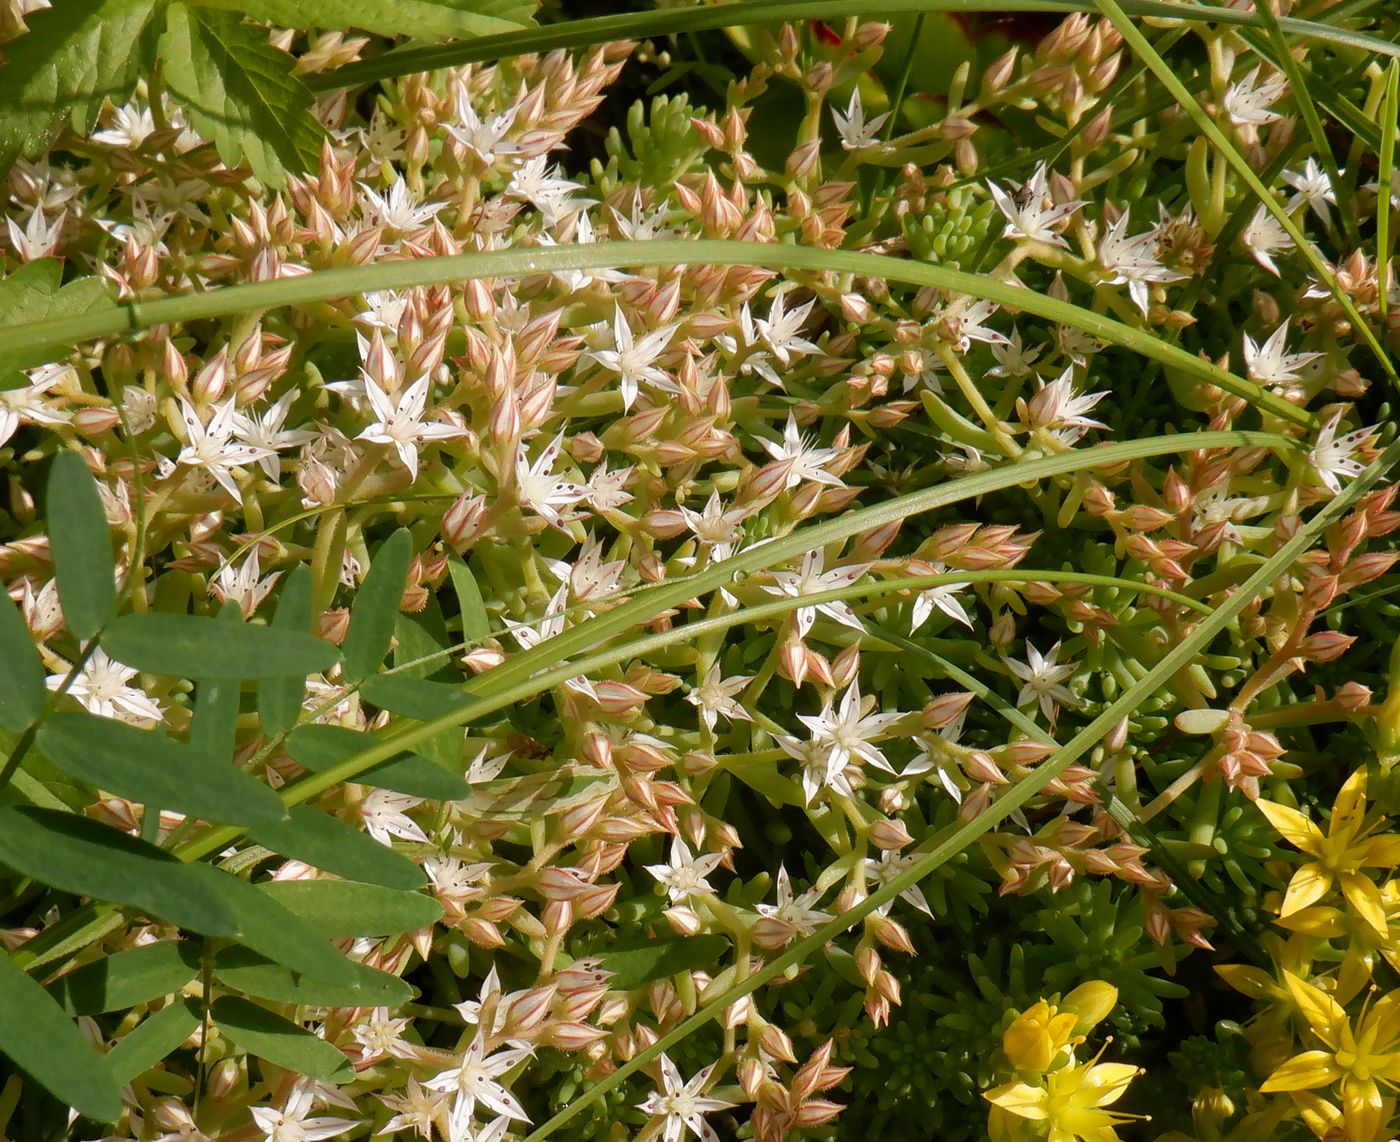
x=241 y=970
x=148 y=767
x=37 y=1035
x=125 y=979
x=75 y=54
x=660 y=958
x=153 y=1039
x=239 y=91
x=193 y=646
x=328 y=843
x=259 y=1032
x=21 y=672
x=376 y=607
x=279 y=699
x=344 y=910
x=74 y=854
x=81 y=545
x=319 y=748
x=427 y=19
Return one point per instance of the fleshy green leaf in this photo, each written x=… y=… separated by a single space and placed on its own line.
x=148 y=767
x=41 y=1039
x=319 y=748
x=375 y=608
x=343 y=909
x=271 y=930
x=81 y=544
x=279 y=699
x=330 y=844
x=153 y=1039
x=239 y=91
x=125 y=979
x=75 y=54
x=428 y=19
x=476 y=625
x=21 y=673
x=242 y=970
x=74 y=854
x=192 y=646
x=657 y=959
x=280 y=1041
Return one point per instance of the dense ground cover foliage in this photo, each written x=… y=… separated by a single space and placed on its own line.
x=680 y=574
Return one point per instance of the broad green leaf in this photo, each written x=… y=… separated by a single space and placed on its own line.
x=280 y=1041
x=125 y=979
x=657 y=959
x=376 y=607
x=279 y=699
x=192 y=646
x=34 y=293
x=269 y=929
x=318 y=748
x=154 y=1038
x=74 y=854
x=75 y=54
x=426 y=19
x=81 y=544
x=476 y=625
x=241 y=970
x=214 y=728
x=330 y=844
x=239 y=91
x=39 y=1038
x=145 y=766
x=343 y=909
x=22 y=690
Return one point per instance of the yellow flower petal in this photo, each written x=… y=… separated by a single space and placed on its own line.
x=1361 y=1107
x=1323 y=1013
x=1309 y=885
x=1019 y=1099
x=1295 y=828
x=1365 y=897
x=1110 y=1080
x=1377 y=852
x=1253 y=982
x=1350 y=806
x=1304 y=1072
x=1316 y=920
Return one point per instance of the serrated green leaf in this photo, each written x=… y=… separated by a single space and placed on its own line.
x=75 y=54
x=74 y=854
x=81 y=545
x=476 y=624
x=375 y=608
x=245 y=971
x=239 y=91
x=33 y=293
x=154 y=1038
x=318 y=748
x=125 y=979
x=343 y=909
x=22 y=692
x=280 y=1041
x=328 y=843
x=148 y=767
x=657 y=959
x=192 y=646
x=271 y=930
x=428 y=19
x=39 y=1038
x=279 y=699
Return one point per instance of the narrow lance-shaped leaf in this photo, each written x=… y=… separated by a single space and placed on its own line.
x=280 y=1041
x=192 y=646
x=342 y=909
x=475 y=623
x=376 y=607
x=81 y=545
x=124 y=979
x=74 y=854
x=153 y=1039
x=41 y=1039
x=318 y=748
x=214 y=727
x=241 y=970
x=279 y=699
x=429 y=19
x=21 y=671
x=331 y=845
x=658 y=959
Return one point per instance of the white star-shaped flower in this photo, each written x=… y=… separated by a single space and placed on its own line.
x=1312 y=187
x=850 y=731
x=476 y=1079
x=398 y=209
x=401 y=421
x=211 y=449
x=808 y=460
x=1271 y=363
x=1027 y=213
x=101 y=688
x=811 y=578
x=266 y=432
x=1264 y=237
x=684 y=874
x=1042 y=675
x=1334 y=457
x=1248 y=102
x=290 y=1124
x=681 y=1105
x=539 y=489
x=633 y=360
x=794 y=910
x=714 y=695
x=26 y=405
x=1133 y=261
x=855 y=130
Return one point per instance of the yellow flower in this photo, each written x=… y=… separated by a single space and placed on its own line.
x=1071 y=1103
x=1037 y=1036
x=1354 y=1058
x=1339 y=856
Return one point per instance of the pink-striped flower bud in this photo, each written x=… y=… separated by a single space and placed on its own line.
x=462 y=522
x=212 y=378
x=889 y=835
x=481 y=932
x=683 y=920
x=570 y=1035
x=96 y=421
x=890 y=933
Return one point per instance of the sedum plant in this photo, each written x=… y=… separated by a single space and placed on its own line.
x=560 y=582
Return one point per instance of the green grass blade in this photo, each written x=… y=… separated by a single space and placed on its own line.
x=1385 y=238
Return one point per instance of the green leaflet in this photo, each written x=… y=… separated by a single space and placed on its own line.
x=192 y=646
x=375 y=608
x=259 y=1032
x=74 y=854
x=330 y=844
x=343 y=909
x=41 y=1039
x=214 y=729
x=22 y=692
x=279 y=699
x=34 y=293
x=128 y=978
x=658 y=959
x=82 y=546
x=252 y=974
x=428 y=19
x=153 y=1039
x=148 y=767
x=76 y=54
x=318 y=748
x=239 y=91
x=476 y=625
